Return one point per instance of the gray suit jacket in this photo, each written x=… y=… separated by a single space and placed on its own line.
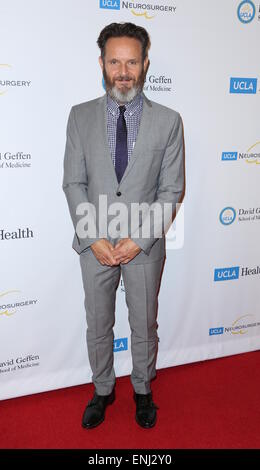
x=155 y=172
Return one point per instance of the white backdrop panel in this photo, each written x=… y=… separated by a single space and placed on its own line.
x=49 y=62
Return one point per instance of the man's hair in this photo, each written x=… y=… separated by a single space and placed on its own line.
x=130 y=30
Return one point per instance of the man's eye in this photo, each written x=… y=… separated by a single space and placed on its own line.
x=132 y=62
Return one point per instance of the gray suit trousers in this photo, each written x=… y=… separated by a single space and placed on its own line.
x=142 y=283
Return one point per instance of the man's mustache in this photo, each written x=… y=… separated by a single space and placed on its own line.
x=124 y=78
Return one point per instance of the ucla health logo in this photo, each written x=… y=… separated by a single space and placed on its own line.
x=246 y=11
x=227 y=215
x=243 y=85
x=110 y=4
x=226 y=274
x=230 y=273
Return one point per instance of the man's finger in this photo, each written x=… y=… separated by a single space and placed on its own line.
x=118 y=254
x=119 y=244
x=123 y=258
x=111 y=259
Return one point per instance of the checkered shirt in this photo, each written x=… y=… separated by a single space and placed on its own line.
x=132 y=115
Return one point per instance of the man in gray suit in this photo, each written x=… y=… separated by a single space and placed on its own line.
x=124 y=153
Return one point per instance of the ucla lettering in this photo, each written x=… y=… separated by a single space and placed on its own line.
x=110 y=4
x=226 y=274
x=243 y=85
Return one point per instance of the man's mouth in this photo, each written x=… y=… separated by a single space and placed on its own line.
x=124 y=80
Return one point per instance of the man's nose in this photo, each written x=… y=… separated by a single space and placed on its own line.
x=124 y=69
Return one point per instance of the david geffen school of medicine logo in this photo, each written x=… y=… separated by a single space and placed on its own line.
x=246 y=11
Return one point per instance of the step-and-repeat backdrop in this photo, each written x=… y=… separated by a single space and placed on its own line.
x=204 y=64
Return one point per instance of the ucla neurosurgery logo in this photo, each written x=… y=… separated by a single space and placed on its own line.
x=246 y=11
x=250 y=156
x=6 y=309
x=7 y=80
x=243 y=85
x=9 y=306
x=110 y=4
x=147 y=10
x=227 y=215
x=226 y=274
x=240 y=326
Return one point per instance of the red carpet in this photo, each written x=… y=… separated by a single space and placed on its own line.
x=210 y=404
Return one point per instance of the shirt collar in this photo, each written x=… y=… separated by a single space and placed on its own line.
x=131 y=107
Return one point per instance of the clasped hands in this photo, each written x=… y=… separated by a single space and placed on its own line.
x=107 y=254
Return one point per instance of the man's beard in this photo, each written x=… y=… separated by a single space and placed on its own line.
x=125 y=95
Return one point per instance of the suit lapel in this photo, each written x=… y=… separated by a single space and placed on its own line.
x=142 y=136
x=102 y=122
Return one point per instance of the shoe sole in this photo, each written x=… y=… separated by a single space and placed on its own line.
x=146 y=427
x=101 y=421
x=93 y=425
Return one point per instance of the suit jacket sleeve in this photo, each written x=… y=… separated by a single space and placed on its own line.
x=170 y=188
x=75 y=178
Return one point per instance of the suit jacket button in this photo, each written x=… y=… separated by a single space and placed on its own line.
x=118 y=193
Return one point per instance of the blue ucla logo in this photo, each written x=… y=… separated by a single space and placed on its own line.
x=227 y=215
x=226 y=274
x=110 y=4
x=243 y=85
x=229 y=156
x=246 y=11
x=216 y=331
x=120 y=344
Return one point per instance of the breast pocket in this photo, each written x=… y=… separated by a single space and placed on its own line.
x=147 y=168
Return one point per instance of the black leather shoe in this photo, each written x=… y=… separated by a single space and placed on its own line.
x=145 y=410
x=94 y=413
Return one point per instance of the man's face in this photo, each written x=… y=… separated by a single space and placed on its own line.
x=123 y=68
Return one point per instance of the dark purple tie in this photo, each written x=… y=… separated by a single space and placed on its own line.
x=121 y=156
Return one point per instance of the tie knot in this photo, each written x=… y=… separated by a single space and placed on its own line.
x=122 y=109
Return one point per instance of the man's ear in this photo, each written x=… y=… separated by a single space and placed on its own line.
x=101 y=63
x=146 y=63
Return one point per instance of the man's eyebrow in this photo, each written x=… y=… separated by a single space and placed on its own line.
x=116 y=58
